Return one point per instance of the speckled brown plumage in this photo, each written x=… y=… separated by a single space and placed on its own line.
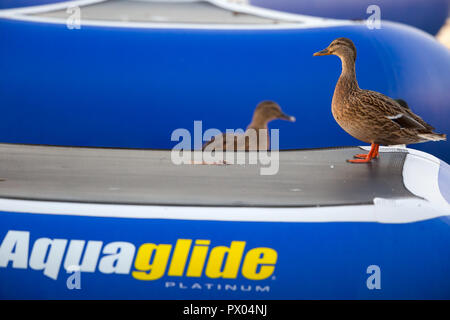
x=368 y=115
x=265 y=112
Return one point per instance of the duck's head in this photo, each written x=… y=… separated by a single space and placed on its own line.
x=340 y=47
x=270 y=110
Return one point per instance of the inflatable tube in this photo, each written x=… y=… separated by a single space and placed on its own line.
x=115 y=83
x=8 y=4
x=426 y=15
x=353 y=233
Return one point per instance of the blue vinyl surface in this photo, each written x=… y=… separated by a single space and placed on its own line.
x=8 y=4
x=131 y=88
x=114 y=87
x=314 y=260
x=427 y=15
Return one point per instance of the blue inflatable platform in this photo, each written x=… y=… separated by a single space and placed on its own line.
x=90 y=223
x=94 y=206
x=429 y=15
x=129 y=79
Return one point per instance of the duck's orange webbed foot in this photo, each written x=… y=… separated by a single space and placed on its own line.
x=364 y=155
x=366 y=158
x=360 y=156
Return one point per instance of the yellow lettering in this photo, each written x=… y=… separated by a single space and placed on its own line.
x=233 y=261
x=152 y=260
x=156 y=269
x=198 y=258
x=266 y=257
x=179 y=258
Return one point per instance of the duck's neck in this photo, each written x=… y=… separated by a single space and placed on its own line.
x=258 y=123
x=347 y=81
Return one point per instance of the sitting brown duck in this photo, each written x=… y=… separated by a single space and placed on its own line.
x=265 y=112
x=371 y=116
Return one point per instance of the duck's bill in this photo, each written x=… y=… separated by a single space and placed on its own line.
x=324 y=52
x=287 y=117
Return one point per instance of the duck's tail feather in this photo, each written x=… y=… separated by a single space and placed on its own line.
x=433 y=136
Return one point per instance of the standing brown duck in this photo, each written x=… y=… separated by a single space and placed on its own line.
x=371 y=116
x=265 y=112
